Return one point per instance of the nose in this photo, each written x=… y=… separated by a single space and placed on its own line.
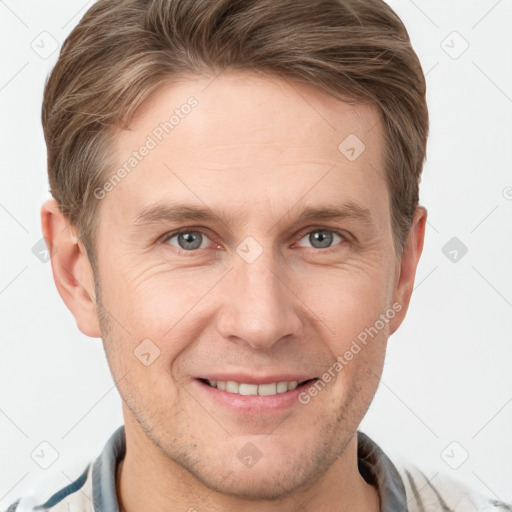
x=259 y=306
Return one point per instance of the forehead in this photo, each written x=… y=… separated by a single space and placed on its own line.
x=261 y=142
x=242 y=108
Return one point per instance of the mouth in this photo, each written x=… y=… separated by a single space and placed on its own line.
x=253 y=395
x=255 y=389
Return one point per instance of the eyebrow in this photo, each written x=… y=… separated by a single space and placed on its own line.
x=165 y=213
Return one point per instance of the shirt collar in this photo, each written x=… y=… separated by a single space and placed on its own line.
x=378 y=470
x=374 y=465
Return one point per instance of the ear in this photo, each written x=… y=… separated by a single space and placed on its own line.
x=404 y=282
x=72 y=271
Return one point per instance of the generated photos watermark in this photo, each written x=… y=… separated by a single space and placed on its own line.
x=152 y=140
x=355 y=348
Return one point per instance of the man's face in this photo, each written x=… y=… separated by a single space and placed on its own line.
x=255 y=294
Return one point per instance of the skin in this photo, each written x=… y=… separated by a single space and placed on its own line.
x=260 y=148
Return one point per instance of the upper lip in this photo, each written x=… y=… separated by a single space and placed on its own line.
x=257 y=379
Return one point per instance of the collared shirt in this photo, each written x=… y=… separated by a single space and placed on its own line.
x=401 y=488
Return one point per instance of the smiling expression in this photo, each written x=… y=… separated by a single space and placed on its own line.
x=245 y=252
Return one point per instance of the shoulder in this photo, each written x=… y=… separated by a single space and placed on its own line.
x=439 y=491
x=74 y=497
x=92 y=488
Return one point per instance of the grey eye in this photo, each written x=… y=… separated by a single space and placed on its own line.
x=321 y=238
x=188 y=240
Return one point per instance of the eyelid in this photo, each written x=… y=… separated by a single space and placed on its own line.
x=341 y=232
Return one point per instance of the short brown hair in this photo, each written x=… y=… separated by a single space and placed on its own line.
x=123 y=50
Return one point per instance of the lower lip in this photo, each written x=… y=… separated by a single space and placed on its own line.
x=253 y=403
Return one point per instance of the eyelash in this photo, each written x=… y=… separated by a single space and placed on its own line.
x=182 y=252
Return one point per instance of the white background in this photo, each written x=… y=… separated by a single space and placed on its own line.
x=448 y=373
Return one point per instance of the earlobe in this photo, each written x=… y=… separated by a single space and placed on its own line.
x=409 y=260
x=71 y=268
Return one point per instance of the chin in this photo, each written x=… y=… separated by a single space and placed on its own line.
x=271 y=474
x=256 y=484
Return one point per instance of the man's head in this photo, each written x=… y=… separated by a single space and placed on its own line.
x=298 y=129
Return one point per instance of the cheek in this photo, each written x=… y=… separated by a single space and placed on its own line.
x=357 y=369
x=157 y=303
x=346 y=302
x=153 y=319
x=153 y=301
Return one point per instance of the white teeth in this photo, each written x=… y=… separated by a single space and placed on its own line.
x=267 y=389
x=282 y=387
x=272 y=388
x=248 y=389
x=232 y=386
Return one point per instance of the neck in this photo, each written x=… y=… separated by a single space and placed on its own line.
x=147 y=480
